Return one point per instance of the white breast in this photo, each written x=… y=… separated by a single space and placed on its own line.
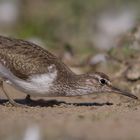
x=38 y=84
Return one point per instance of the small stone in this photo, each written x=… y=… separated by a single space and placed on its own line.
x=136 y=89
x=81 y=117
x=97 y=59
x=133 y=73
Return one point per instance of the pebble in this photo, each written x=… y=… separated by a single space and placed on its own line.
x=133 y=73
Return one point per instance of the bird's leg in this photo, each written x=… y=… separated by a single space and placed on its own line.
x=12 y=102
x=28 y=98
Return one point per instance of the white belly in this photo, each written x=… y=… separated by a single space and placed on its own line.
x=37 y=85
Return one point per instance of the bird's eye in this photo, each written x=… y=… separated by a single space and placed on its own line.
x=103 y=81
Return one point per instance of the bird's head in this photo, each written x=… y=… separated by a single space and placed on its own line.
x=99 y=82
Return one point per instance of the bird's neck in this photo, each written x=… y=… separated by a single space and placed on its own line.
x=75 y=86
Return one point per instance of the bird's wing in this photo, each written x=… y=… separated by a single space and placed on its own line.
x=25 y=59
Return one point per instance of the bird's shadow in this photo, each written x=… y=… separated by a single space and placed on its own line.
x=51 y=103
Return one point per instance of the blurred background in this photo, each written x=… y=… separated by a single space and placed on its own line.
x=79 y=32
x=88 y=35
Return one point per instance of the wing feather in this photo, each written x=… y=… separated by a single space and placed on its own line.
x=25 y=59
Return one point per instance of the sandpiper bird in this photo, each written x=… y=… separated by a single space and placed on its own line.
x=35 y=71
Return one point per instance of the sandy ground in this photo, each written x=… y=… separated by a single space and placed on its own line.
x=107 y=117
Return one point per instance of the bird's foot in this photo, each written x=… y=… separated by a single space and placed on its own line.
x=28 y=98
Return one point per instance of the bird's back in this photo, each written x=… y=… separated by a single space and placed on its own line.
x=24 y=58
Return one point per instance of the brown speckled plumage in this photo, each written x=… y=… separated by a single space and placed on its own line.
x=24 y=58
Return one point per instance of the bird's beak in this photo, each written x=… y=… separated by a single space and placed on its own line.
x=125 y=93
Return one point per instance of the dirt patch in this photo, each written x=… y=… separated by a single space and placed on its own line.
x=106 y=116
